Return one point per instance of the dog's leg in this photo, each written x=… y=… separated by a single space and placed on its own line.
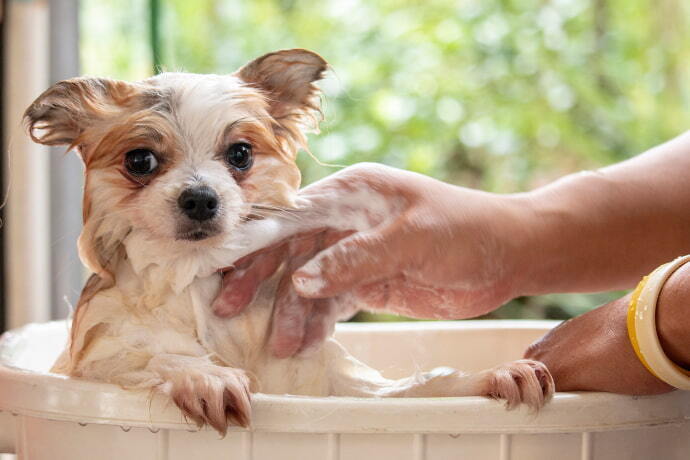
x=518 y=382
x=120 y=342
x=205 y=392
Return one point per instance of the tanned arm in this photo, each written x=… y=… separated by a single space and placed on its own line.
x=593 y=351
x=605 y=229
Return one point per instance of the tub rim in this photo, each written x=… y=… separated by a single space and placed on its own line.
x=56 y=397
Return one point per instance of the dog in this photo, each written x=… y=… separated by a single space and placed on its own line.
x=175 y=168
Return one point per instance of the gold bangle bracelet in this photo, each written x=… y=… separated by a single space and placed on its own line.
x=642 y=327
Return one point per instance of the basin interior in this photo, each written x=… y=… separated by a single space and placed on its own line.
x=396 y=349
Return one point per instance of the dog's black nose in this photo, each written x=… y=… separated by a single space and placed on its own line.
x=199 y=203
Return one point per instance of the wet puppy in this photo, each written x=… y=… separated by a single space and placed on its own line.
x=176 y=167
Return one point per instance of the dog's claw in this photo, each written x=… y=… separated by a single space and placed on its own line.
x=216 y=399
x=521 y=382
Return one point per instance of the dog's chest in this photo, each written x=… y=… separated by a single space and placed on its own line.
x=242 y=342
x=154 y=313
x=183 y=322
x=239 y=341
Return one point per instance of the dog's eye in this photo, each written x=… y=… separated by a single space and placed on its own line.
x=141 y=162
x=239 y=156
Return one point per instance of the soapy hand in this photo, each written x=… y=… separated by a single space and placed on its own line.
x=380 y=238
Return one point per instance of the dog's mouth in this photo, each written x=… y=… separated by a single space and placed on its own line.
x=197 y=233
x=194 y=236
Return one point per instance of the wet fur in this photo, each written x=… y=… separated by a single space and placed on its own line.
x=144 y=319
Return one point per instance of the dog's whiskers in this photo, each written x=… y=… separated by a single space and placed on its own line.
x=270 y=211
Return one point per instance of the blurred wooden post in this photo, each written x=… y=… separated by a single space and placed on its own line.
x=27 y=213
x=3 y=291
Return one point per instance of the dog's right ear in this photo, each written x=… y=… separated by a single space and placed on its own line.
x=72 y=113
x=65 y=111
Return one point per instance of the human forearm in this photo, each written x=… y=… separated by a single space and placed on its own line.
x=604 y=229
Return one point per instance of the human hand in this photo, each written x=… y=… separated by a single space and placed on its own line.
x=593 y=352
x=386 y=239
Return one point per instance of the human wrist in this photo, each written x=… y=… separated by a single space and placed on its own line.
x=515 y=232
x=525 y=245
x=561 y=239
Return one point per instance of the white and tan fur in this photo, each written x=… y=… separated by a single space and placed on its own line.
x=144 y=319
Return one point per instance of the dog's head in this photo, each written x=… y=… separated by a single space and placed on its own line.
x=182 y=157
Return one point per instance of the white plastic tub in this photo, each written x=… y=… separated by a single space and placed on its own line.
x=46 y=416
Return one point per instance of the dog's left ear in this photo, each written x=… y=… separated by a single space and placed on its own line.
x=287 y=79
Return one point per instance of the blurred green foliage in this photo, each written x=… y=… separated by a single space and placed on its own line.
x=503 y=95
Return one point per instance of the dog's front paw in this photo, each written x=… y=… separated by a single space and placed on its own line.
x=521 y=382
x=212 y=395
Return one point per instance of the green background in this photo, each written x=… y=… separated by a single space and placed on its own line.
x=499 y=95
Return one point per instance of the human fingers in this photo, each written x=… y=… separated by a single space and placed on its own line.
x=239 y=285
x=362 y=257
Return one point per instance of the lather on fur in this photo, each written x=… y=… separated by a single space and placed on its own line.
x=144 y=318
